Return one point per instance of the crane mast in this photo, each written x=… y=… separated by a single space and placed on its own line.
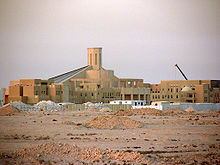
x=181 y=71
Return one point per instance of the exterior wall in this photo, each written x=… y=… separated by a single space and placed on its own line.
x=15 y=90
x=94 y=95
x=56 y=93
x=215 y=95
x=136 y=94
x=29 y=91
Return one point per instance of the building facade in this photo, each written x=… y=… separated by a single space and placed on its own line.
x=191 y=91
x=90 y=83
x=93 y=83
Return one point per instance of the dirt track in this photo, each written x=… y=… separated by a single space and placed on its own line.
x=189 y=138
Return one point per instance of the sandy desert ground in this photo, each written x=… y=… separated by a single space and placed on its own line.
x=123 y=137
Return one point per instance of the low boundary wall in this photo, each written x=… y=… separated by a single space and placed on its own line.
x=198 y=107
x=79 y=107
x=114 y=107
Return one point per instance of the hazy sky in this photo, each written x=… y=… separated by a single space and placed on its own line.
x=140 y=38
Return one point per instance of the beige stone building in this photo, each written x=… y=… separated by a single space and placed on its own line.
x=89 y=83
x=192 y=91
x=95 y=84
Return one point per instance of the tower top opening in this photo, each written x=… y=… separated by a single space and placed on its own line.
x=95 y=57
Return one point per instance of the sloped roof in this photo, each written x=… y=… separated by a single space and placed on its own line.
x=65 y=76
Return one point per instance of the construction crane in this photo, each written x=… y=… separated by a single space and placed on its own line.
x=181 y=71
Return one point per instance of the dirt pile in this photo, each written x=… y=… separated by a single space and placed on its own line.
x=65 y=153
x=111 y=122
x=144 y=111
x=174 y=111
x=8 y=110
x=99 y=154
x=68 y=123
x=190 y=109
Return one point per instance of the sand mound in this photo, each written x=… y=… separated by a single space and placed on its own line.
x=111 y=122
x=8 y=110
x=190 y=109
x=145 y=111
x=69 y=154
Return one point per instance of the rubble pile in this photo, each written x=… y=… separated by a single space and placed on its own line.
x=144 y=111
x=49 y=106
x=112 y=122
x=66 y=153
x=22 y=106
x=41 y=106
x=96 y=106
x=105 y=109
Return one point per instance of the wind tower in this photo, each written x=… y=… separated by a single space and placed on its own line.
x=95 y=58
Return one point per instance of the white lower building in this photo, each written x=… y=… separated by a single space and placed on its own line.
x=131 y=102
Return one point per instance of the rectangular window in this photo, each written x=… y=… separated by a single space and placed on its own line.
x=90 y=59
x=95 y=59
